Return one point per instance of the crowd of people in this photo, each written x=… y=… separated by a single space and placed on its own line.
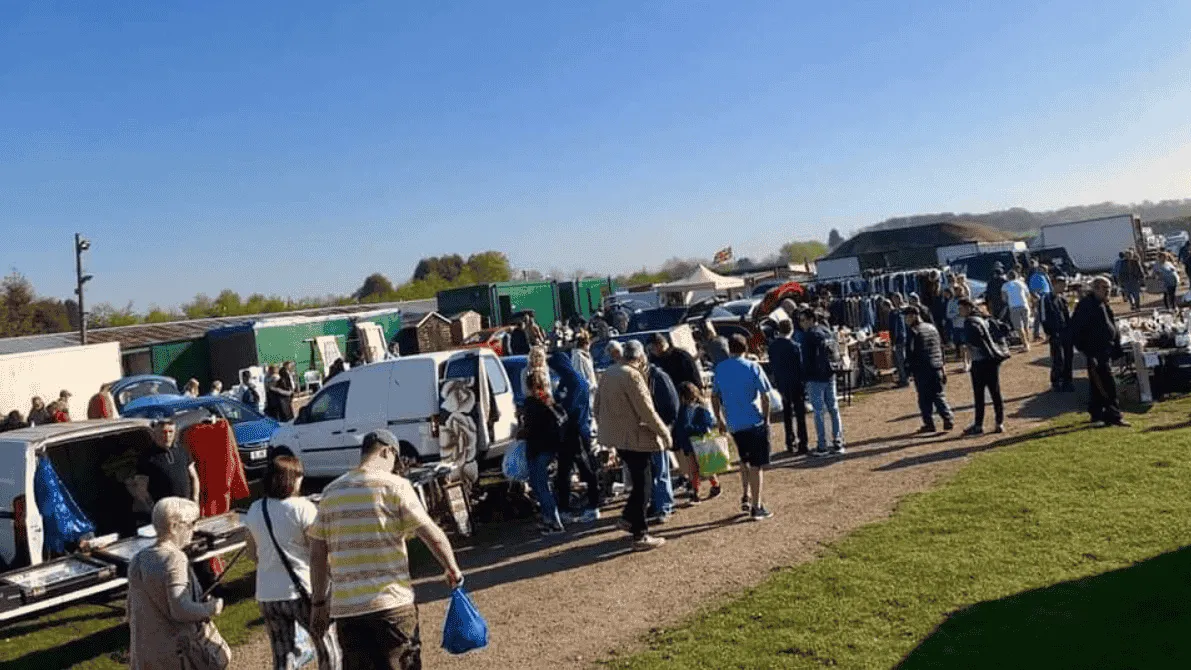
x=338 y=569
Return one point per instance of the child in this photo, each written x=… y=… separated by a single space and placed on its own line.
x=694 y=419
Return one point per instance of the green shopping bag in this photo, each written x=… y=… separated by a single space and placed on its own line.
x=712 y=453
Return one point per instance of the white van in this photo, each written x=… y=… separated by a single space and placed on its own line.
x=401 y=395
x=78 y=451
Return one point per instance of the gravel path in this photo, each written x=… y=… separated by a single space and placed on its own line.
x=566 y=602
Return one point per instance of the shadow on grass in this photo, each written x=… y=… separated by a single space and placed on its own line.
x=1136 y=617
x=111 y=642
x=960 y=452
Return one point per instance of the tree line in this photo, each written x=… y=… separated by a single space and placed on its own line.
x=23 y=312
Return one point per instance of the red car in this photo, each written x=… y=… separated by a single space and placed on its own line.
x=490 y=338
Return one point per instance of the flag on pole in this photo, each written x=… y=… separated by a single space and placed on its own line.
x=723 y=256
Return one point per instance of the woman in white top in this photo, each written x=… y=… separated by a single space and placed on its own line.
x=581 y=359
x=282 y=592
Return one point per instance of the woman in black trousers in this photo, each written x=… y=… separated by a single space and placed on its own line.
x=987 y=357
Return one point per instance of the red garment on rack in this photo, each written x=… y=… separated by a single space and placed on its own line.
x=216 y=457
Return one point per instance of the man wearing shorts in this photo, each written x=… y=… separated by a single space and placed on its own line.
x=1017 y=297
x=738 y=382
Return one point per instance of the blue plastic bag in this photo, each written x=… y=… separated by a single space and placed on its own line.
x=65 y=522
x=516 y=463
x=464 y=629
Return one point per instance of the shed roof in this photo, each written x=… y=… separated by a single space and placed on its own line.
x=915 y=237
x=147 y=334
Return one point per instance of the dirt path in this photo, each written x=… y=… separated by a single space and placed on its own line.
x=566 y=602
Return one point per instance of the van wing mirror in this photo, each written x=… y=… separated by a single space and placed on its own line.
x=303 y=414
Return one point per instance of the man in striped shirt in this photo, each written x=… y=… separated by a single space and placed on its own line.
x=358 y=546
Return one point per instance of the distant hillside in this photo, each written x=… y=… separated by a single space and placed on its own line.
x=1019 y=220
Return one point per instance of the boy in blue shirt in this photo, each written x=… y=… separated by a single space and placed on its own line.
x=738 y=383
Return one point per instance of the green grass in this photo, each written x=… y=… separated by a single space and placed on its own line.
x=95 y=637
x=1061 y=550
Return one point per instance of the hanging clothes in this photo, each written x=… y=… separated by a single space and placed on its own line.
x=216 y=457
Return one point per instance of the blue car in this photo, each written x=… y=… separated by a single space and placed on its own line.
x=129 y=389
x=252 y=429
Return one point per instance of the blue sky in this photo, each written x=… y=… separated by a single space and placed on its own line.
x=294 y=147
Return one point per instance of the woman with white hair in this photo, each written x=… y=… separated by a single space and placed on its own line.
x=536 y=362
x=168 y=621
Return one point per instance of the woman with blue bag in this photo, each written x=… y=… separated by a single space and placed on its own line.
x=694 y=420
x=542 y=430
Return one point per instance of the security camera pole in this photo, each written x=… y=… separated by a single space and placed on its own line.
x=81 y=244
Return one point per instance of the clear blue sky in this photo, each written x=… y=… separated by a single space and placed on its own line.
x=294 y=147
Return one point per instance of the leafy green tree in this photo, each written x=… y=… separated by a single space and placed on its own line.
x=797 y=252
x=375 y=285
x=490 y=267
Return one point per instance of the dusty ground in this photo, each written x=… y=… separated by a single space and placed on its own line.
x=568 y=601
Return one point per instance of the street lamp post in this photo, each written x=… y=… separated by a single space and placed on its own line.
x=81 y=244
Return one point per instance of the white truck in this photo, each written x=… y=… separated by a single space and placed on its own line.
x=48 y=372
x=1094 y=245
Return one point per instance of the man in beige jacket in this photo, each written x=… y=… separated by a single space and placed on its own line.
x=629 y=423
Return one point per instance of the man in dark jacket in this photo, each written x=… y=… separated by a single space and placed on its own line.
x=1094 y=330
x=820 y=352
x=897 y=338
x=924 y=357
x=1056 y=322
x=680 y=365
x=994 y=300
x=785 y=366
x=665 y=403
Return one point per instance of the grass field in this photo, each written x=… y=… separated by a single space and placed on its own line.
x=1059 y=549
x=95 y=637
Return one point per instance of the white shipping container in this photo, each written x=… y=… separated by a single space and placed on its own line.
x=835 y=268
x=1093 y=244
x=80 y=370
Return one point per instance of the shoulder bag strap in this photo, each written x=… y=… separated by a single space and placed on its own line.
x=289 y=568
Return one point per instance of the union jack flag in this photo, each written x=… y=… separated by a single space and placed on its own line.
x=723 y=256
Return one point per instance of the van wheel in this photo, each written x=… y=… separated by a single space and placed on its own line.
x=280 y=451
x=408 y=457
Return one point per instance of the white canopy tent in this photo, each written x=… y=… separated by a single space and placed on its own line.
x=702 y=279
x=700 y=284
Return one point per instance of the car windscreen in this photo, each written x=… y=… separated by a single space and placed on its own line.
x=236 y=412
x=147 y=388
x=656 y=319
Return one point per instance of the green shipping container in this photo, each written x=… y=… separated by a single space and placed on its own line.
x=480 y=298
x=183 y=361
x=583 y=297
x=278 y=341
x=541 y=297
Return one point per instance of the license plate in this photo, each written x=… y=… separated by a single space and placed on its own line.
x=258 y=455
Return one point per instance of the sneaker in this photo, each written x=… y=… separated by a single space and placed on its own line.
x=658 y=519
x=693 y=498
x=948 y=425
x=838 y=451
x=745 y=505
x=588 y=516
x=715 y=492
x=567 y=517
x=999 y=429
x=760 y=514
x=926 y=430
x=623 y=524
x=553 y=529
x=973 y=430
x=648 y=542
x=1119 y=422
x=820 y=453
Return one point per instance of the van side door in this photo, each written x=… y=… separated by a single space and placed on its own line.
x=503 y=417
x=326 y=450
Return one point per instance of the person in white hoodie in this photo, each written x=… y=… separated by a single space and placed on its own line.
x=581 y=359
